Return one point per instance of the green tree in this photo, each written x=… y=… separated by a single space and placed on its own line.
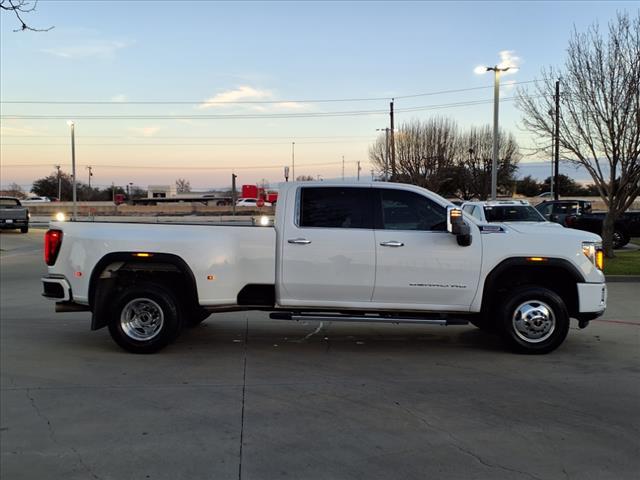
x=528 y=186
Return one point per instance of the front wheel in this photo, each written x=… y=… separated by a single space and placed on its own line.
x=619 y=239
x=24 y=229
x=144 y=318
x=533 y=320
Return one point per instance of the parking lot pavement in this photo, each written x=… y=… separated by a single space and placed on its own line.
x=242 y=396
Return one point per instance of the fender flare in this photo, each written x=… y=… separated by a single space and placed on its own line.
x=96 y=303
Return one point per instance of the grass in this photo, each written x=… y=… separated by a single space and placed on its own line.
x=625 y=263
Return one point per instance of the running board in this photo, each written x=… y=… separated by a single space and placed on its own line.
x=330 y=317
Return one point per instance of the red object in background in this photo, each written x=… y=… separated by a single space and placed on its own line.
x=118 y=198
x=272 y=197
x=249 y=191
x=260 y=203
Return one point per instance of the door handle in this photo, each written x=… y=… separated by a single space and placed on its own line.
x=392 y=243
x=299 y=241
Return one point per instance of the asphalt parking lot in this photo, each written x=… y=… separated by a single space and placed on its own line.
x=242 y=396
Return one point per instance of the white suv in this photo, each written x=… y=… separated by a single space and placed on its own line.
x=502 y=211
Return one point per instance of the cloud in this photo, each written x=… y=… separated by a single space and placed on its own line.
x=92 y=48
x=508 y=58
x=144 y=131
x=246 y=93
x=121 y=97
x=242 y=93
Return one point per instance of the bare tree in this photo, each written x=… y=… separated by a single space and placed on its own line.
x=14 y=190
x=599 y=112
x=424 y=151
x=474 y=156
x=436 y=155
x=183 y=185
x=19 y=7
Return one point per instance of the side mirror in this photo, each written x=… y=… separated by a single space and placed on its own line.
x=456 y=226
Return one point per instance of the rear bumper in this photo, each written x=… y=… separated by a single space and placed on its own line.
x=56 y=287
x=13 y=223
x=592 y=298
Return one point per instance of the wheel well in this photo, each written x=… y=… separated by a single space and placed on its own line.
x=117 y=271
x=556 y=275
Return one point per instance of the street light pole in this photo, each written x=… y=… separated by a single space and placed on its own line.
x=494 y=156
x=497 y=70
x=293 y=161
x=59 y=183
x=73 y=169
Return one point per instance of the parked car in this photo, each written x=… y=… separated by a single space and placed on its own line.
x=13 y=215
x=625 y=227
x=353 y=252
x=503 y=211
x=36 y=200
x=558 y=210
x=250 y=202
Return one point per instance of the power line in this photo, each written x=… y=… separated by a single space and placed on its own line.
x=180 y=167
x=347 y=113
x=175 y=137
x=169 y=144
x=244 y=102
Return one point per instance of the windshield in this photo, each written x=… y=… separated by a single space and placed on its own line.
x=512 y=213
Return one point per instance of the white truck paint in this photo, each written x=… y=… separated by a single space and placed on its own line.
x=380 y=260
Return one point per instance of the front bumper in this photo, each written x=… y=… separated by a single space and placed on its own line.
x=592 y=297
x=56 y=287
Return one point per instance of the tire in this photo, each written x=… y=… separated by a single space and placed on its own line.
x=24 y=229
x=144 y=318
x=619 y=239
x=533 y=320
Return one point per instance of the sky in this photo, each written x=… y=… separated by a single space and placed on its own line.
x=302 y=60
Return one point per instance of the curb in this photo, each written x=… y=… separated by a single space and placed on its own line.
x=622 y=278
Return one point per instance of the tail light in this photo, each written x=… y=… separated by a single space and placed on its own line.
x=52 y=243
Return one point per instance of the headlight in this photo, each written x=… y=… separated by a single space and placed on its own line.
x=60 y=217
x=593 y=251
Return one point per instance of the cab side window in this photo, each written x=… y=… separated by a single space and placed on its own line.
x=404 y=210
x=336 y=207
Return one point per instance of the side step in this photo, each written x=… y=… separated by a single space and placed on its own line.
x=336 y=317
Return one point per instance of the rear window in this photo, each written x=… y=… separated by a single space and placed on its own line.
x=512 y=213
x=9 y=202
x=334 y=207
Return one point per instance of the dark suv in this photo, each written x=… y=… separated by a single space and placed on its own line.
x=558 y=210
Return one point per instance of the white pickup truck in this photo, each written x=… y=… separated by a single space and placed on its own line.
x=375 y=252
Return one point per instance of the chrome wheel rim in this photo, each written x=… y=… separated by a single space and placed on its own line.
x=616 y=239
x=141 y=319
x=533 y=321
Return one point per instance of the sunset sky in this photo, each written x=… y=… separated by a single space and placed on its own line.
x=323 y=72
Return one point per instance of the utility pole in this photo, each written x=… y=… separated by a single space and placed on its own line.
x=57 y=167
x=89 y=167
x=393 y=143
x=343 y=168
x=359 y=170
x=73 y=169
x=372 y=174
x=113 y=192
x=553 y=136
x=233 y=192
x=556 y=191
x=385 y=175
x=293 y=161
